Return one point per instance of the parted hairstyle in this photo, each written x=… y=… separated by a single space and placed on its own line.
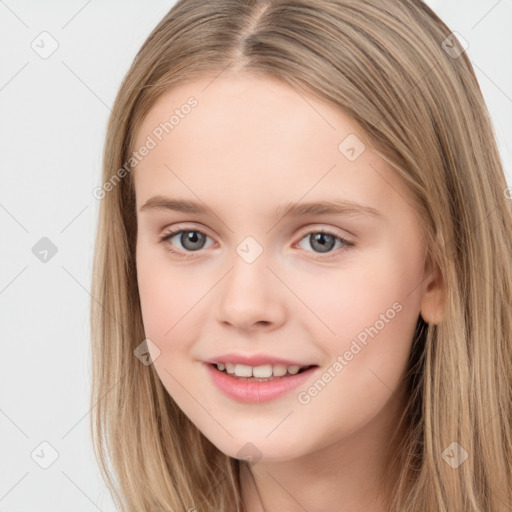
x=395 y=69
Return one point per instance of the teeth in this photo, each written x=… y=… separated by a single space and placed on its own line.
x=242 y=370
x=279 y=370
x=260 y=372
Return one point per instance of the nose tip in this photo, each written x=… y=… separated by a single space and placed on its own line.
x=248 y=298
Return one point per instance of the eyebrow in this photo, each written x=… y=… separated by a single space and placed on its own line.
x=339 y=206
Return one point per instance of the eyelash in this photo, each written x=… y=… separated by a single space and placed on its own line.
x=332 y=254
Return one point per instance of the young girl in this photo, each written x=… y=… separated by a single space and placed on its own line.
x=303 y=267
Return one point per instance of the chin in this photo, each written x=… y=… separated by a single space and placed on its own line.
x=259 y=448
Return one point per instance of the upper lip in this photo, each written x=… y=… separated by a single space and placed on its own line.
x=254 y=360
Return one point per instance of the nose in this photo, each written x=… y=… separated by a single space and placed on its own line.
x=251 y=297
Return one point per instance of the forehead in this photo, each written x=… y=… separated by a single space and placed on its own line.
x=248 y=139
x=236 y=105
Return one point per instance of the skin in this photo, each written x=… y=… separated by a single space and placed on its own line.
x=251 y=144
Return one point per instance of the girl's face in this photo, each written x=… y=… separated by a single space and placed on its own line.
x=336 y=287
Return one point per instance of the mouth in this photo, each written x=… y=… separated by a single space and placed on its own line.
x=255 y=385
x=263 y=373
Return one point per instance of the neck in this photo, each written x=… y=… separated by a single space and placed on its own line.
x=351 y=474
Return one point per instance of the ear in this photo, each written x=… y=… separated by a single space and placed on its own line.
x=432 y=296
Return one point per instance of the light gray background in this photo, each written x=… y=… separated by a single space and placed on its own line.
x=52 y=126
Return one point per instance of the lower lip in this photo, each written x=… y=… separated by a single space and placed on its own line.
x=257 y=392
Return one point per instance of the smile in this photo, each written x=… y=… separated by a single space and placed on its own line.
x=262 y=373
x=257 y=384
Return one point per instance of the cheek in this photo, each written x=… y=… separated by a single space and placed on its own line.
x=171 y=307
x=368 y=312
x=167 y=296
x=347 y=299
x=365 y=360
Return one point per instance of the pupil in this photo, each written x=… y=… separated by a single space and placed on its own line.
x=325 y=241
x=192 y=237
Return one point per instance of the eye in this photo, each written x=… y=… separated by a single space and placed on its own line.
x=323 y=241
x=191 y=240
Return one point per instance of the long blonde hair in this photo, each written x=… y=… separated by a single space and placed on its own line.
x=388 y=65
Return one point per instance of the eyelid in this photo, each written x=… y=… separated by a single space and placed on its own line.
x=176 y=228
x=321 y=228
x=307 y=230
x=331 y=231
x=310 y=228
